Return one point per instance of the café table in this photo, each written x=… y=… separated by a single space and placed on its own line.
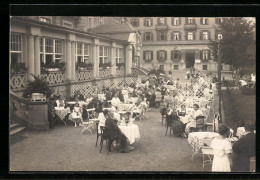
x=196 y=140
x=62 y=112
x=125 y=107
x=131 y=131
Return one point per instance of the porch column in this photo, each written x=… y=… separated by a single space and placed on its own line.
x=113 y=59
x=129 y=59
x=73 y=75
x=68 y=60
x=95 y=58
x=37 y=62
x=30 y=52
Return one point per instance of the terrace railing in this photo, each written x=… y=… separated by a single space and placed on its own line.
x=103 y=73
x=83 y=75
x=120 y=72
x=17 y=81
x=54 y=77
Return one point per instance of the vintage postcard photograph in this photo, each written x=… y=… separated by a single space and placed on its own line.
x=113 y=93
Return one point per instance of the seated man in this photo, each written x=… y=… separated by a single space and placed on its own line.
x=95 y=103
x=114 y=131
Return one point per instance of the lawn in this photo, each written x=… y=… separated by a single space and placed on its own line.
x=245 y=107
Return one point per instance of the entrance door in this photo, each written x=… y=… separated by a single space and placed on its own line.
x=190 y=60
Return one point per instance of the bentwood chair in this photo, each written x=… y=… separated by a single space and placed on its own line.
x=91 y=119
x=104 y=133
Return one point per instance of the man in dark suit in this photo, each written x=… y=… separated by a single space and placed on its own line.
x=114 y=131
x=243 y=149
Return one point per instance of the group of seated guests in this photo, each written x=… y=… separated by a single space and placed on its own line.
x=180 y=120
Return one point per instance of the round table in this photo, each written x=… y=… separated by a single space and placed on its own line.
x=125 y=107
x=62 y=112
x=131 y=131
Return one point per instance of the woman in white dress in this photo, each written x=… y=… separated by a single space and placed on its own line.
x=222 y=150
x=76 y=114
x=192 y=124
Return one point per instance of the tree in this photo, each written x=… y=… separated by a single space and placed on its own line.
x=237 y=43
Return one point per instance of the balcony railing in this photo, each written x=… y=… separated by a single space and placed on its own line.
x=104 y=73
x=84 y=75
x=190 y=26
x=17 y=81
x=55 y=77
x=161 y=27
x=120 y=72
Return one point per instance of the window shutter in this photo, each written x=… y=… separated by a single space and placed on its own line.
x=172 y=55
x=151 y=55
x=180 y=35
x=144 y=55
x=165 y=55
x=201 y=54
x=201 y=20
x=209 y=35
x=180 y=21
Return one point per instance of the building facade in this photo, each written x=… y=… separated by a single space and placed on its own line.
x=62 y=49
x=176 y=43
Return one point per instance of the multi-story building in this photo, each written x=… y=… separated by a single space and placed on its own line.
x=176 y=43
x=40 y=43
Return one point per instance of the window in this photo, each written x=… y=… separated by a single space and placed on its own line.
x=220 y=36
x=162 y=35
x=103 y=54
x=176 y=36
x=82 y=52
x=205 y=54
x=148 y=36
x=204 y=67
x=148 y=22
x=148 y=55
x=45 y=19
x=190 y=35
x=161 y=55
x=204 y=21
x=16 y=48
x=119 y=55
x=51 y=50
x=135 y=22
x=90 y=22
x=67 y=24
x=176 y=67
x=218 y=20
x=190 y=20
x=175 y=54
x=101 y=20
x=205 y=35
x=175 y=21
x=161 y=21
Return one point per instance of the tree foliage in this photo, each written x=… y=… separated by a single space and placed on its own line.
x=238 y=42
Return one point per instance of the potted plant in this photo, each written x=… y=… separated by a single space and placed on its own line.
x=38 y=85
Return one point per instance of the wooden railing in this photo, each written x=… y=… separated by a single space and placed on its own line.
x=54 y=77
x=120 y=72
x=103 y=73
x=17 y=81
x=84 y=75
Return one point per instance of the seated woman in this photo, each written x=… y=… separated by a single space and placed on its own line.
x=115 y=101
x=192 y=124
x=76 y=114
x=60 y=102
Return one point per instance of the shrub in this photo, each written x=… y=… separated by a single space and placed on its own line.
x=248 y=91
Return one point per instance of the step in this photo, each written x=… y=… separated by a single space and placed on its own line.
x=13 y=125
x=16 y=130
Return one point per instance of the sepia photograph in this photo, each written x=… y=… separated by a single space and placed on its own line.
x=138 y=94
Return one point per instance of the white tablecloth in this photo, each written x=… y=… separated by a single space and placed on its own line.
x=196 y=139
x=125 y=107
x=131 y=131
x=61 y=112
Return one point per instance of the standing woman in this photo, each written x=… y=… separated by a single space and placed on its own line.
x=222 y=150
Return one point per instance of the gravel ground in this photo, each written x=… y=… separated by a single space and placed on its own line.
x=65 y=149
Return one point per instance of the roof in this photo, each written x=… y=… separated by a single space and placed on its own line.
x=113 y=28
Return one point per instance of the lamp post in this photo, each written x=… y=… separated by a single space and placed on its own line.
x=219 y=81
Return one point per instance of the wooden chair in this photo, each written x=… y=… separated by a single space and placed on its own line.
x=98 y=134
x=214 y=123
x=199 y=124
x=104 y=133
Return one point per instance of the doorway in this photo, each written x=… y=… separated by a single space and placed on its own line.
x=190 y=60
